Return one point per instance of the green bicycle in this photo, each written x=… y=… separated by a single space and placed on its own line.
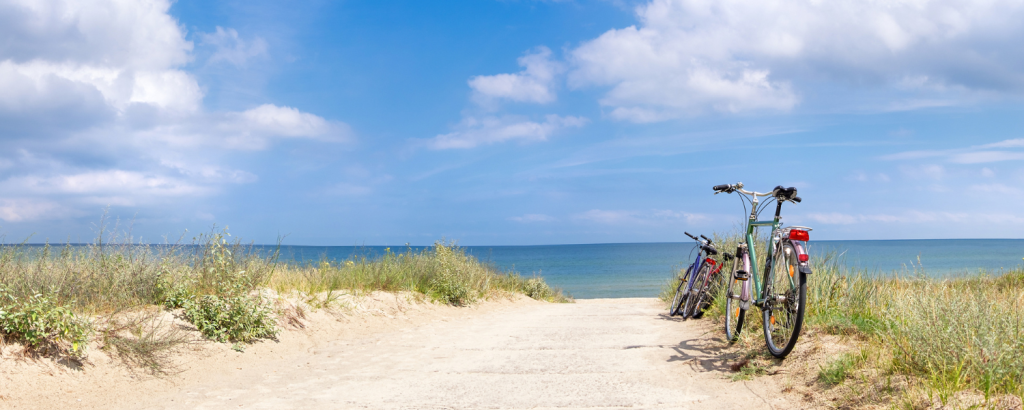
x=781 y=294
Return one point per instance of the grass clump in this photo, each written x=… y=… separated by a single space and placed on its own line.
x=43 y=325
x=836 y=371
x=143 y=339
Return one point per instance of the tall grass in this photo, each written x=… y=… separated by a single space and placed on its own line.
x=444 y=272
x=52 y=298
x=952 y=334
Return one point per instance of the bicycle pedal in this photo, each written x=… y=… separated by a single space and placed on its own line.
x=742 y=275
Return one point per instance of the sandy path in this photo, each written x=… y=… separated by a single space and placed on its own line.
x=604 y=353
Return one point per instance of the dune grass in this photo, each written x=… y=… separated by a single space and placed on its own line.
x=53 y=299
x=950 y=334
x=443 y=272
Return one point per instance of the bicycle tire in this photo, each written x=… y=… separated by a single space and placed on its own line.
x=691 y=300
x=712 y=287
x=783 y=319
x=733 y=313
x=677 y=300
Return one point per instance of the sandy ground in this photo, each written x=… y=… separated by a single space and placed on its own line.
x=395 y=353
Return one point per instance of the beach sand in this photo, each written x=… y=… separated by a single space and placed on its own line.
x=391 y=351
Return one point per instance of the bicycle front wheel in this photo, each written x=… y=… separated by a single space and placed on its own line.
x=785 y=302
x=733 y=313
x=678 y=299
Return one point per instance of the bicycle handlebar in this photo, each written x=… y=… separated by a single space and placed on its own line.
x=688 y=234
x=738 y=187
x=706 y=239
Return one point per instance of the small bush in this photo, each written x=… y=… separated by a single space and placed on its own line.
x=241 y=318
x=536 y=288
x=43 y=325
x=447 y=288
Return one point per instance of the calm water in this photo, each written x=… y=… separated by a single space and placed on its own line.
x=639 y=269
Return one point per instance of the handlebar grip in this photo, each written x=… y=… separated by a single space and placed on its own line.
x=706 y=239
x=720 y=187
x=797 y=199
x=688 y=234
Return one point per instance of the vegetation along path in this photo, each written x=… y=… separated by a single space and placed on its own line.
x=602 y=353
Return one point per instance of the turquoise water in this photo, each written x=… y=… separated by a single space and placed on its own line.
x=640 y=269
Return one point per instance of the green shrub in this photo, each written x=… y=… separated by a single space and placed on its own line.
x=447 y=288
x=240 y=318
x=538 y=289
x=43 y=325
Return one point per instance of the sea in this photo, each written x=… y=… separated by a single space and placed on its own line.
x=624 y=270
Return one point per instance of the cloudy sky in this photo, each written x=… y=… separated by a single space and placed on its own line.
x=508 y=122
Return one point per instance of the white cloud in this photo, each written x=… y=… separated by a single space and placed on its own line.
x=99 y=107
x=980 y=157
x=106 y=182
x=532 y=218
x=136 y=35
x=1011 y=143
x=996 y=188
x=231 y=48
x=979 y=154
x=210 y=173
x=251 y=129
x=930 y=171
x=18 y=210
x=646 y=218
x=914 y=217
x=533 y=84
x=474 y=131
x=348 y=189
x=688 y=57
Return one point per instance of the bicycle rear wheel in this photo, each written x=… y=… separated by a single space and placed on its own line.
x=733 y=313
x=785 y=302
x=691 y=301
x=678 y=299
x=710 y=287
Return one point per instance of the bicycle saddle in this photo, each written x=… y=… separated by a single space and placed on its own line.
x=785 y=194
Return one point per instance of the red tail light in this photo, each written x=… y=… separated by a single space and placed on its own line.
x=799 y=235
x=803 y=258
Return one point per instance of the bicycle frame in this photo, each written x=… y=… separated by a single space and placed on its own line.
x=752 y=225
x=697 y=265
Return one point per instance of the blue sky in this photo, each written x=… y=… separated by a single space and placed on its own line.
x=508 y=122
